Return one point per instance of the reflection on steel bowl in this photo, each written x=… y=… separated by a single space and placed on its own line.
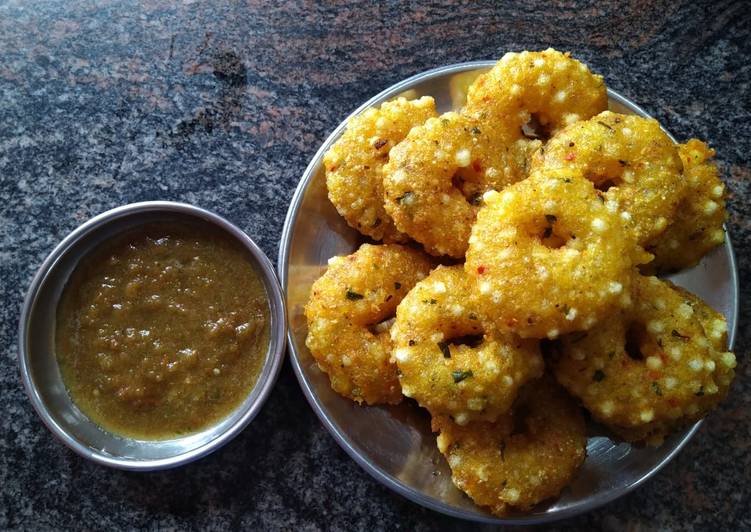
x=136 y=447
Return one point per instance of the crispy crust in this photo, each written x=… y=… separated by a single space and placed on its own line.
x=475 y=380
x=633 y=157
x=346 y=304
x=549 y=85
x=652 y=368
x=549 y=257
x=354 y=164
x=435 y=177
x=697 y=225
x=525 y=457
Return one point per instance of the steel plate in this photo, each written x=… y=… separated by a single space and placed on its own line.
x=394 y=444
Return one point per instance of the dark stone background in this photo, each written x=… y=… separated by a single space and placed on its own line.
x=222 y=104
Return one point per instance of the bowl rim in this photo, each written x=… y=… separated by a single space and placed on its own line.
x=335 y=430
x=272 y=365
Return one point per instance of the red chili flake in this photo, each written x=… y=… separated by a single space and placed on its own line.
x=476 y=165
x=655 y=375
x=672 y=402
x=481 y=269
x=570 y=156
x=512 y=322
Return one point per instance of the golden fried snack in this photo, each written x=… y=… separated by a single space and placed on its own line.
x=449 y=359
x=522 y=459
x=697 y=225
x=435 y=178
x=715 y=328
x=548 y=86
x=346 y=313
x=630 y=159
x=549 y=257
x=655 y=367
x=714 y=324
x=354 y=164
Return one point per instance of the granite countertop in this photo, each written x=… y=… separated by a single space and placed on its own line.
x=222 y=104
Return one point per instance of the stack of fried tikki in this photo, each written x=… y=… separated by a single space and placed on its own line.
x=545 y=298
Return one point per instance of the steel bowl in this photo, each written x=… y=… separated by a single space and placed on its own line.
x=395 y=444
x=41 y=375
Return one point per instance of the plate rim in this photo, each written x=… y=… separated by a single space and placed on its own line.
x=333 y=428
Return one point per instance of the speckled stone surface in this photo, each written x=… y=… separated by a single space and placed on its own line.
x=222 y=104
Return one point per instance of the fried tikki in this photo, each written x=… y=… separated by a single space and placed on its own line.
x=549 y=257
x=525 y=457
x=657 y=366
x=354 y=164
x=450 y=359
x=346 y=313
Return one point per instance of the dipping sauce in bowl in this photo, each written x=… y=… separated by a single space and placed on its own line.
x=128 y=380
x=162 y=331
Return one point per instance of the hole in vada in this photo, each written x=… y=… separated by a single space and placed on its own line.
x=636 y=334
x=470 y=340
x=551 y=349
x=535 y=129
x=553 y=241
x=470 y=189
x=607 y=184
x=458 y=181
x=382 y=326
x=521 y=413
x=548 y=235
